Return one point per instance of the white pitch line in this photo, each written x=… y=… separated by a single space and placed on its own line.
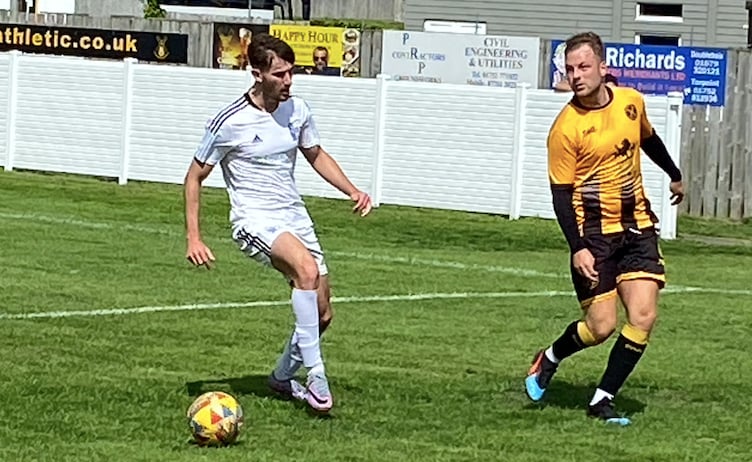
x=363 y=299
x=705 y=290
x=215 y=306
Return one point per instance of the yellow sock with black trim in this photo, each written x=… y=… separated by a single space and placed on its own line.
x=576 y=337
x=625 y=355
x=586 y=336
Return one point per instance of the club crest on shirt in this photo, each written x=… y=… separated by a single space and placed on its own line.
x=631 y=111
x=626 y=150
x=294 y=131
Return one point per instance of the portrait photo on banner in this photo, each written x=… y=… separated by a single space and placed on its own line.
x=320 y=50
x=230 y=44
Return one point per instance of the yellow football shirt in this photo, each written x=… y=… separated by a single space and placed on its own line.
x=597 y=151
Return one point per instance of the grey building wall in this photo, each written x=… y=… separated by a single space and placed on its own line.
x=731 y=18
x=351 y=9
x=354 y=9
x=706 y=22
x=693 y=30
x=544 y=18
x=106 y=8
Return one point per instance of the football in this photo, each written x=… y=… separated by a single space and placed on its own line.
x=215 y=419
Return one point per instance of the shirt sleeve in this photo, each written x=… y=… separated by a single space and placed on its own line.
x=561 y=158
x=309 y=134
x=215 y=144
x=565 y=215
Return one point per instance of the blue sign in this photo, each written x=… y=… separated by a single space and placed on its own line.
x=697 y=72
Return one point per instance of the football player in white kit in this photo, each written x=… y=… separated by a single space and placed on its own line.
x=255 y=140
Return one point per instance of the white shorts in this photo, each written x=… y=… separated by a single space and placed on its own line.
x=256 y=239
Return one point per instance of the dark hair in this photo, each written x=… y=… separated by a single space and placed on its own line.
x=610 y=78
x=586 y=38
x=262 y=47
x=322 y=48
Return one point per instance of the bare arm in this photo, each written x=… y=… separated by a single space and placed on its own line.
x=329 y=170
x=198 y=253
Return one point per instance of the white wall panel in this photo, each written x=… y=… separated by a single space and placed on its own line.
x=343 y=110
x=447 y=147
x=655 y=180
x=542 y=108
x=443 y=146
x=69 y=115
x=170 y=108
x=4 y=97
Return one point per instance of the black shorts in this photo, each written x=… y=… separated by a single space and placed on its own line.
x=633 y=254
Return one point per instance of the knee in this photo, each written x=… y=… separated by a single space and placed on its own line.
x=601 y=329
x=307 y=275
x=643 y=318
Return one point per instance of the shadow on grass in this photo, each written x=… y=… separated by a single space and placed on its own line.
x=565 y=395
x=254 y=385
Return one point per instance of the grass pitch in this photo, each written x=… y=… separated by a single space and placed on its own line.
x=437 y=315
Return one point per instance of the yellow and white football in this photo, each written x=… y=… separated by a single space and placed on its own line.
x=215 y=419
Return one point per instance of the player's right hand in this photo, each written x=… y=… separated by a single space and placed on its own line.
x=362 y=201
x=199 y=254
x=677 y=192
x=584 y=262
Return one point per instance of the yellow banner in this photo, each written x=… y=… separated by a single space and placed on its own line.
x=322 y=50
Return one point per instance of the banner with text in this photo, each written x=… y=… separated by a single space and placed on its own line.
x=230 y=44
x=321 y=50
x=489 y=60
x=698 y=72
x=95 y=43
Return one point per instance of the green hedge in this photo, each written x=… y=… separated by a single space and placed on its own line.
x=154 y=10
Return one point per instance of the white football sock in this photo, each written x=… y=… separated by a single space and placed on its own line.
x=305 y=306
x=550 y=355
x=599 y=395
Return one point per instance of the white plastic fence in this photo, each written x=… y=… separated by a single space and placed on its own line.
x=459 y=147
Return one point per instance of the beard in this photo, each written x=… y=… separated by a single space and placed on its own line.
x=273 y=92
x=586 y=91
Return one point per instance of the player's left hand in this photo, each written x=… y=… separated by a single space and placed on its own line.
x=677 y=192
x=362 y=203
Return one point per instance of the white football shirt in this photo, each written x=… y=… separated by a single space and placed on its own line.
x=257 y=151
